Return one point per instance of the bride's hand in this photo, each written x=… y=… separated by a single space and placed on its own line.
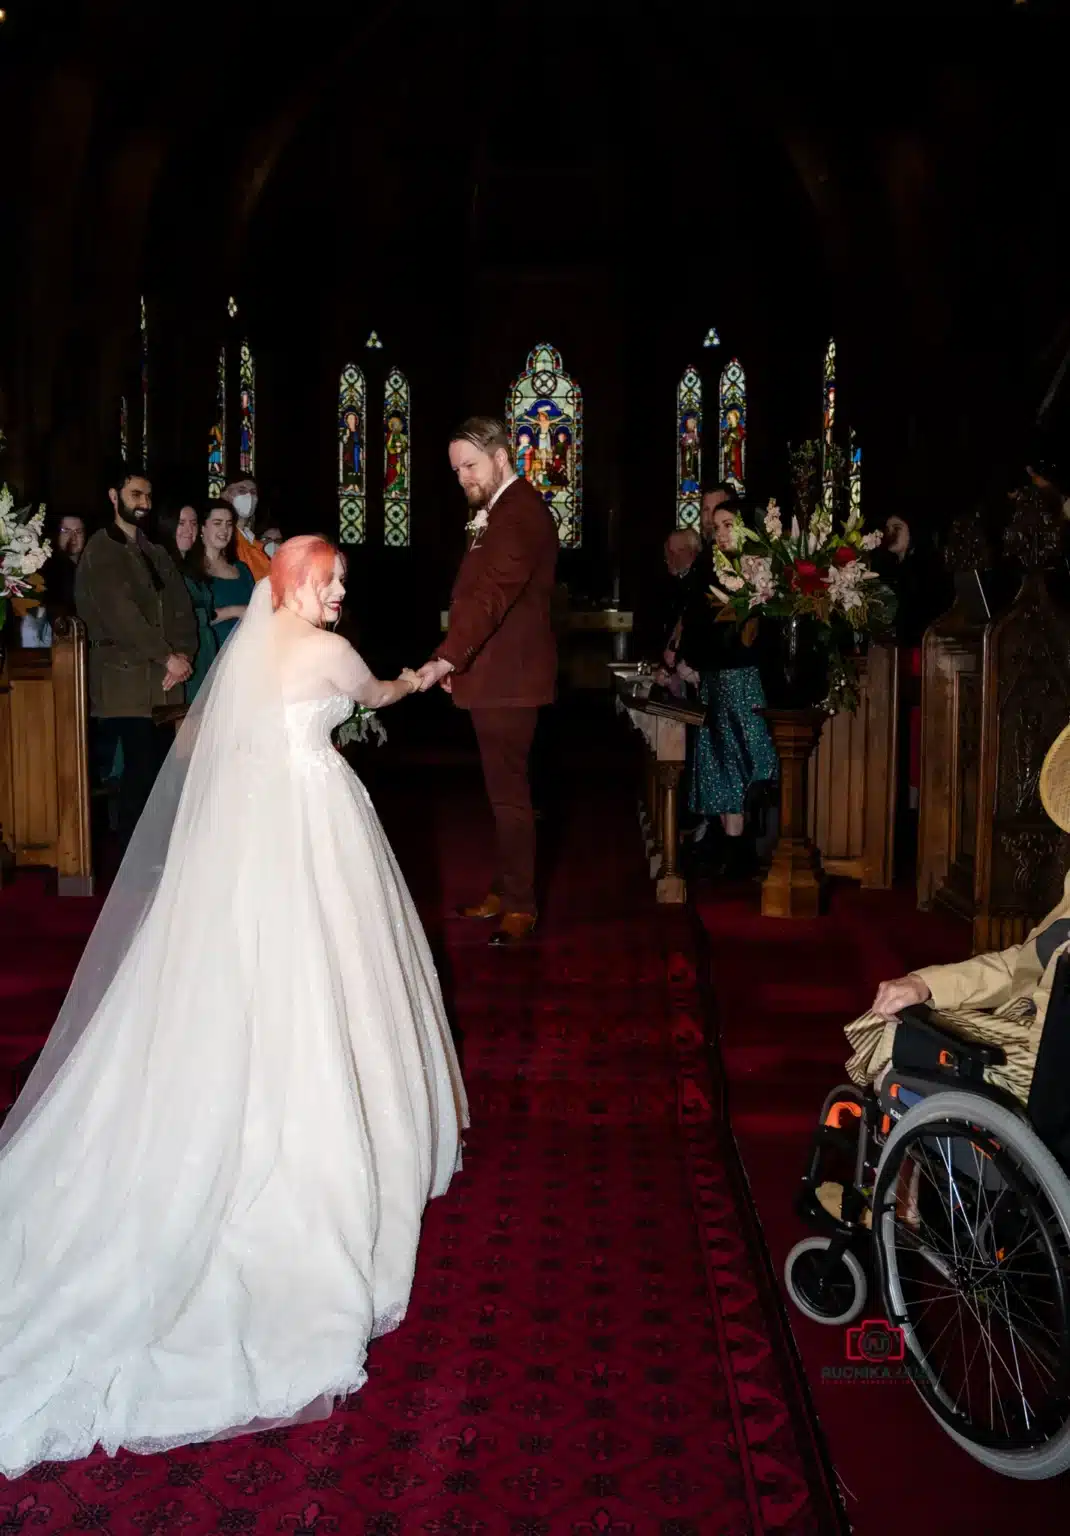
x=408 y=676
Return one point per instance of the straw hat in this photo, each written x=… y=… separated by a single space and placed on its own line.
x=1055 y=781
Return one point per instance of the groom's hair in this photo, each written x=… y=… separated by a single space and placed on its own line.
x=486 y=433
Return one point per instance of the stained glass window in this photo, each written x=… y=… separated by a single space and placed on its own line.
x=217 y=437
x=351 y=444
x=732 y=422
x=855 y=474
x=397 y=481
x=232 y=306
x=124 y=429
x=373 y=342
x=544 y=408
x=144 y=388
x=688 y=449
x=247 y=419
x=712 y=338
x=828 y=422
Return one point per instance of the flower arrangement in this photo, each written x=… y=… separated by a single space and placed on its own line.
x=23 y=551
x=361 y=726
x=810 y=571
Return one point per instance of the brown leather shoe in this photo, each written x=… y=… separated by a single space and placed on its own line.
x=514 y=928
x=490 y=906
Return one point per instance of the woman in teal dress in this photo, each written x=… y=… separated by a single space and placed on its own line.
x=213 y=563
x=733 y=750
x=178 y=530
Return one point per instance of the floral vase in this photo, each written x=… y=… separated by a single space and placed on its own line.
x=799 y=678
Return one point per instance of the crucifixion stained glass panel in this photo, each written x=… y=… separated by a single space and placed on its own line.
x=544 y=410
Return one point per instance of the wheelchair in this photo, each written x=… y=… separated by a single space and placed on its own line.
x=958 y=1197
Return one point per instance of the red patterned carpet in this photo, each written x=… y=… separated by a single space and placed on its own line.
x=592 y=1347
x=780 y=1032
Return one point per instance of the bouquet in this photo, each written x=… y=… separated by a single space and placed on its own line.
x=361 y=726
x=23 y=551
x=815 y=572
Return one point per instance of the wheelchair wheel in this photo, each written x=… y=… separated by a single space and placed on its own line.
x=971 y=1216
x=826 y=1289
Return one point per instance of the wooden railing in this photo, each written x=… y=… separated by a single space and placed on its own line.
x=44 y=759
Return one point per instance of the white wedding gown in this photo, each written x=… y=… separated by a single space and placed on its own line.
x=212 y=1198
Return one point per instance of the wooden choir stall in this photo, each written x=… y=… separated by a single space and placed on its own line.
x=996 y=693
x=44 y=759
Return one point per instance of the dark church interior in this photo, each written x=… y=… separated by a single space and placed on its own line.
x=679 y=255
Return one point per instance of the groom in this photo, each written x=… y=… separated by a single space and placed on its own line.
x=498 y=659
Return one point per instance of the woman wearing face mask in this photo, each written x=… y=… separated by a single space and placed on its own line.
x=212 y=1185
x=213 y=560
x=243 y=497
x=178 y=530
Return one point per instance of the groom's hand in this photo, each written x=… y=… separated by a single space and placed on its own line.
x=433 y=672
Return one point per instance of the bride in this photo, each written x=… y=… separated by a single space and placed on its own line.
x=211 y=1187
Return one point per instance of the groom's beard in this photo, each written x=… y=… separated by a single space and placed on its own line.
x=479 y=495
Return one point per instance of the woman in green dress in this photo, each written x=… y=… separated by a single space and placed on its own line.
x=213 y=562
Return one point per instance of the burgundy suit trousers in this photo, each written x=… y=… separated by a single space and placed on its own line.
x=505 y=737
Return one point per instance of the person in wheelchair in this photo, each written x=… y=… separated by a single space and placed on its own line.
x=996 y=999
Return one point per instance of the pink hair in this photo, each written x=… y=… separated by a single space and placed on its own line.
x=307 y=557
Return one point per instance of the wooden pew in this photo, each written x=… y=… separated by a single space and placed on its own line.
x=44 y=759
x=663 y=727
x=852 y=778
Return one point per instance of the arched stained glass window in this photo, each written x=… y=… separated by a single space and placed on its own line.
x=397 y=473
x=732 y=423
x=855 y=475
x=544 y=409
x=124 y=429
x=247 y=421
x=144 y=387
x=351 y=467
x=217 y=436
x=688 y=449
x=712 y=338
x=828 y=424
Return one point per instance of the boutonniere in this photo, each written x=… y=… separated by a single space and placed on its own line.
x=477 y=525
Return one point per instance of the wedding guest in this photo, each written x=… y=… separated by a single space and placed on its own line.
x=243 y=498
x=922 y=585
x=269 y=533
x=178 y=528
x=214 y=560
x=68 y=545
x=142 y=636
x=733 y=749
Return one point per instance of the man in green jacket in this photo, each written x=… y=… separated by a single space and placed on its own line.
x=142 y=640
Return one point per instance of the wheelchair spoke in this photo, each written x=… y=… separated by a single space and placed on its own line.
x=982 y=1278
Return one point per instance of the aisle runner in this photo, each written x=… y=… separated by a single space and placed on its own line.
x=587 y=1349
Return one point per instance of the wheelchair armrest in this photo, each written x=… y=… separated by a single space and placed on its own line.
x=926 y=1043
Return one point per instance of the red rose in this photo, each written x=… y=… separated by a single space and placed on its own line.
x=844 y=555
x=806 y=578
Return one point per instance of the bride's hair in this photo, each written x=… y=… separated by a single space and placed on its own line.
x=309 y=555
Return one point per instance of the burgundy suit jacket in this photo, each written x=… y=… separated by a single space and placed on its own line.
x=499 y=640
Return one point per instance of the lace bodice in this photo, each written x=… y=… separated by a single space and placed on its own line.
x=309 y=725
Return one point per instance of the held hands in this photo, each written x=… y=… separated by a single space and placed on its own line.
x=410 y=679
x=433 y=672
x=893 y=996
x=177 y=670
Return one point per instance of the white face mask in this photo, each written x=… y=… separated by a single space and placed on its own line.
x=244 y=505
